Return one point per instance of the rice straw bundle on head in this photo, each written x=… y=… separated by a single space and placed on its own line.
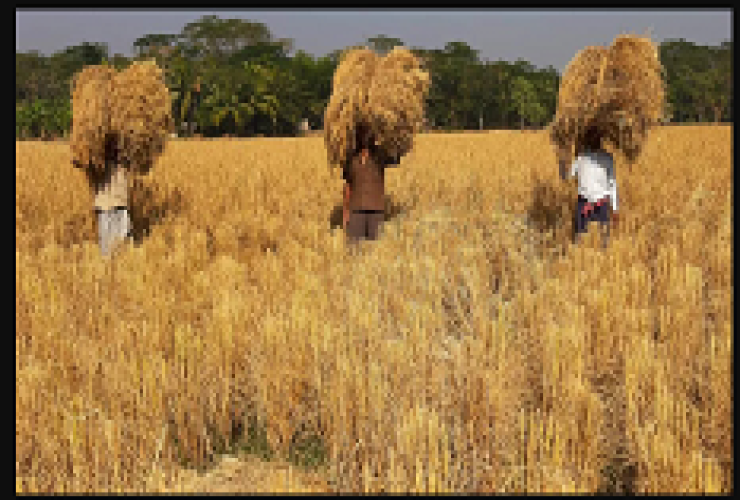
x=347 y=107
x=357 y=65
x=91 y=93
x=635 y=90
x=396 y=101
x=578 y=97
x=141 y=115
x=619 y=91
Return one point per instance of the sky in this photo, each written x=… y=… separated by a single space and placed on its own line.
x=544 y=38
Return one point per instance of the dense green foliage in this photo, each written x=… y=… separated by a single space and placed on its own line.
x=230 y=76
x=46 y=118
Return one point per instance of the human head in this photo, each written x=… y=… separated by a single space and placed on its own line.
x=364 y=139
x=591 y=140
x=111 y=148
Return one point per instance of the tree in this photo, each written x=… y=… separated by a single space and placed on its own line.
x=245 y=100
x=449 y=99
x=720 y=80
x=233 y=76
x=84 y=54
x=498 y=76
x=262 y=52
x=699 y=79
x=545 y=83
x=383 y=44
x=119 y=61
x=311 y=86
x=213 y=36
x=42 y=118
x=152 y=45
x=524 y=96
x=32 y=76
x=461 y=52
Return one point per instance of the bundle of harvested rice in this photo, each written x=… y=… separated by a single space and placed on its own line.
x=140 y=115
x=91 y=91
x=357 y=65
x=619 y=91
x=635 y=91
x=348 y=103
x=578 y=98
x=396 y=101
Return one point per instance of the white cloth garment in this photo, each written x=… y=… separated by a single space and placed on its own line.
x=596 y=179
x=113 y=192
x=114 y=227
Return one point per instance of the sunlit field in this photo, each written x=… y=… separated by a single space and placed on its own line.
x=239 y=344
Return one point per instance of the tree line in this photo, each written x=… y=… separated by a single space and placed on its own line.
x=234 y=77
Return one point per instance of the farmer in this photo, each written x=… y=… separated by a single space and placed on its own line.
x=376 y=107
x=364 y=189
x=111 y=201
x=120 y=122
x=614 y=95
x=597 y=185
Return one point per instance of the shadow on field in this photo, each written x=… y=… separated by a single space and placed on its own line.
x=392 y=210
x=77 y=229
x=619 y=476
x=149 y=204
x=551 y=210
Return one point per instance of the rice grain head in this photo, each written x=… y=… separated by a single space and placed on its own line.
x=578 y=99
x=619 y=90
x=397 y=98
x=348 y=103
x=141 y=115
x=635 y=89
x=91 y=92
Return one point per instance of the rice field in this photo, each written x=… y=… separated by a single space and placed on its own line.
x=238 y=344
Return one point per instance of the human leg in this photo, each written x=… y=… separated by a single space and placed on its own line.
x=374 y=222
x=356 y=226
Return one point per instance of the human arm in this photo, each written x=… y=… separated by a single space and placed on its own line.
x=563 y=158
x=345 y=205
x=345 y=193
x=564 y=173
x=613 y=194
x=563 y=164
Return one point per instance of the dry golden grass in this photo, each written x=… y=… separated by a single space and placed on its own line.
x=471 y=349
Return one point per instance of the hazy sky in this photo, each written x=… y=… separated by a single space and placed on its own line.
x=541 y=37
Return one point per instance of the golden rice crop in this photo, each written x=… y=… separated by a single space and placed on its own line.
x=471 y=349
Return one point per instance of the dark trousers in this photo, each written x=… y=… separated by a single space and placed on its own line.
x=364 y=224
x=598 y=213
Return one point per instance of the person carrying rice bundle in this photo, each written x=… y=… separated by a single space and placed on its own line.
x=615 y=95
x=376 y=107
x=120 y=121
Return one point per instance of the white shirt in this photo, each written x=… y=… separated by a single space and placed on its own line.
x=596 y=178
x=114 y=191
